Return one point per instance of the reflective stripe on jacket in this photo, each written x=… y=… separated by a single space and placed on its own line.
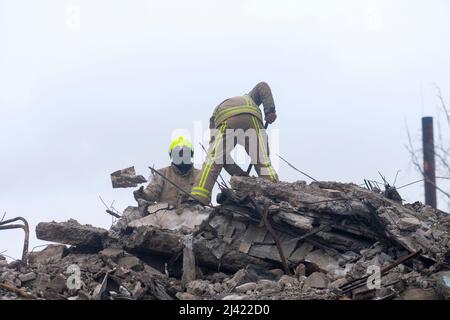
x=234 y=106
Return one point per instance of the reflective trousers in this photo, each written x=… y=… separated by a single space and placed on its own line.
x=246 y=130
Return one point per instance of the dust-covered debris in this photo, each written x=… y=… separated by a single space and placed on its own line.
x=265 y=240
x=71 y=233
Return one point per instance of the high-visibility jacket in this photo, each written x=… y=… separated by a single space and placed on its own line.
x=160 y=190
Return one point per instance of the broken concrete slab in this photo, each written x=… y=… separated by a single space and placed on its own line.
x=357 y=217
x=240 y=277
x=419 y=294
x=153 y=240
x=210 y=247
x=243 y=288
x=71 y=233
x=131 y=262
x=3 y=261
x=185 y=296
x=234 y=297
x=288 y=281
x=302 y=223
x=267 y=285
x=301 y=252
x=189 y=218
x=112 y=253
x=189 y=263
x=317 y=280
x=42 y=282
x=58 y=284
x=27 y=277
x=409 y=223
x=130 y=214
x=443 y=284
x=200 y=288
x=231 y=241
x=300 y=270
x=126 y=178
x=51 y=254
x=323 y=260
x=317 y=226
x=252 y=234
x=277 y=273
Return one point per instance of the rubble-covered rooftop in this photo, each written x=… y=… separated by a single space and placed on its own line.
x=264 y=240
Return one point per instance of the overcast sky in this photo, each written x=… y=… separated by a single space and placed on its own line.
x=91 y=86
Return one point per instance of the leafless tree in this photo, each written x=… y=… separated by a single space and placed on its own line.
x=442 y=146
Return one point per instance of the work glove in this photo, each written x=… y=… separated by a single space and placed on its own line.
x=139 y=193
x=271 y=117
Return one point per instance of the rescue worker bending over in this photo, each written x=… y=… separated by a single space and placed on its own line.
x=235 y=121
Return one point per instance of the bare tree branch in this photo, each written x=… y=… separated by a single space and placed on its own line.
x=396 y=176
x=440 y=141
x=443 y=105
x=416 y=163
x=5 y=255
x=443 y=161
x=412 y=152
x=445 y=152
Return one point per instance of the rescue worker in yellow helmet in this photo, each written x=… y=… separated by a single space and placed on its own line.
x=181 y=172
x=234 y=115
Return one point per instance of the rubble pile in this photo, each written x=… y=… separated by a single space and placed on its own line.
x=59 y=272
x=264 y=240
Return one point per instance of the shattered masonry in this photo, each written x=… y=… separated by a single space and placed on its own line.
x=264 y=241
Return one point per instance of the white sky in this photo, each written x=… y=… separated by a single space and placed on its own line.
x=91 y=86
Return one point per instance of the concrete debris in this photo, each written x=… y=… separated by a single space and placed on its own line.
x=234 y=297
x=189 y=264
x=3 y=261
x=80 y=276
x=419 y=294
x=288 y=282
x=339 y=241
x=185 y=296
x=112 y=253
x=316 y=280
x=443 y=284
x=51 y=254
x=71 y=233
x=250 y=286
x=324 y=261
x=267 y=286
x=27 y=277
x=168 y=219
x=126 y=178
x=131 y=262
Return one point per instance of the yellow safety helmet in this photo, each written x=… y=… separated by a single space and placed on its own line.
x=180 y=142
